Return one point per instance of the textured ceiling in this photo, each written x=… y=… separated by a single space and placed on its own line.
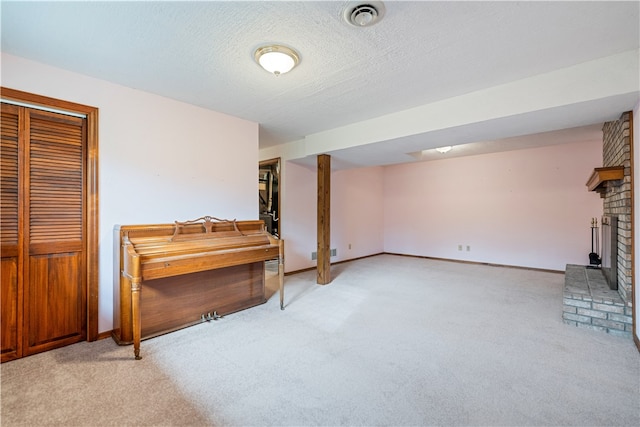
x=421 y=52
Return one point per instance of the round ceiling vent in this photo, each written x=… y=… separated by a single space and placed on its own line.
x=364 y=14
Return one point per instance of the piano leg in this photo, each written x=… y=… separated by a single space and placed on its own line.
x=135 y=312
x=281 y=278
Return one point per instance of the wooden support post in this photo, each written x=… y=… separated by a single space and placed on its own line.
x=324 y=219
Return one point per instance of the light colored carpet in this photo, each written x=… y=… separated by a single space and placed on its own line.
x=392 y=341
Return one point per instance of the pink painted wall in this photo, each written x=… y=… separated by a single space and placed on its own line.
x=526 y=208
x=357 y=210
x=356 y=214
x=298 y=216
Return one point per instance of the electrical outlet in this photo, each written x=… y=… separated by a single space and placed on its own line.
x=349 y=246
x=333 y=252
x=459 y=247
x=468 y=248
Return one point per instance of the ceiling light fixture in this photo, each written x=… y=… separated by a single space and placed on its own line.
x=444 y=149
x=277 y=59
x=364 y=14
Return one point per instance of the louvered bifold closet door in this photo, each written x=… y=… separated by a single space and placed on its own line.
x=11 y=302
x=55 y=288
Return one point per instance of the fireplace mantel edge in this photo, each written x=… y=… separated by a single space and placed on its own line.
x=600 y=178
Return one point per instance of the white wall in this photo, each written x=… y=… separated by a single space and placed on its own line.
x=160 y=160
x=527 y=208
x=356 y=214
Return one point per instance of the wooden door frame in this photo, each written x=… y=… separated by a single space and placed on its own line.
x=270 y=163
x=92 y=212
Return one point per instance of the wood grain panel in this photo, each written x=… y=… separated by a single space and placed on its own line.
x=9 y=180
x=56 y=176
x=55 y=275
x=11 y=310
x=11 y=295
x=58 y=154
x=324 y=219
x=55 y=301
x=176 y=302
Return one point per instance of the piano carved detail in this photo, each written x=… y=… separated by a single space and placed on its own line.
x=207 y=223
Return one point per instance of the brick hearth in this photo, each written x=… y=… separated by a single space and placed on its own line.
x=589 y=303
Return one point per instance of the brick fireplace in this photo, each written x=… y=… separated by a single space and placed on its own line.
x=601 y=299
x=616 y=151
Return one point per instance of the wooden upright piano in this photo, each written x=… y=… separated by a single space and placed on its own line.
x=177 y=275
